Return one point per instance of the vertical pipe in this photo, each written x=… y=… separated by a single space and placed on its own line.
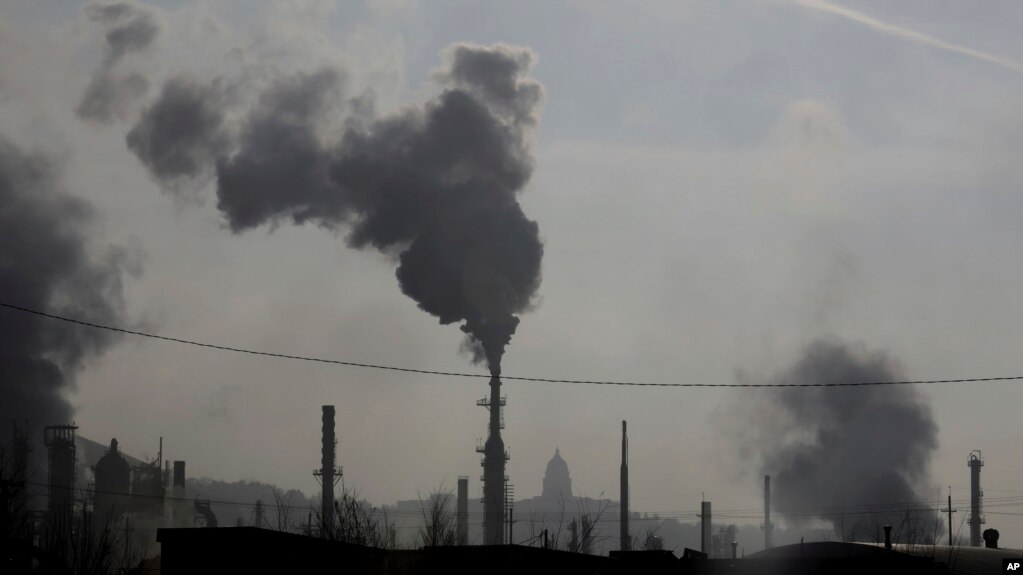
x=949 y=511
x=625 y=543
x=888 y=537
x=328 y=464
x=705 y=531
x=462 y=512
x=178 y=491
x=768 y=535
x=493 y=472
x=975 y=463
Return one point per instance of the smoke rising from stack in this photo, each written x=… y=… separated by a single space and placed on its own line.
x=180 y=132
x=46 y=264
x=434 y=184
x=129 y=28
x=863 y=448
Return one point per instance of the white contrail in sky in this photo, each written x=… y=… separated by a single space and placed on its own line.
x=906 y=33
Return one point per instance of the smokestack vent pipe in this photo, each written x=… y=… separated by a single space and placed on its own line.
x=626 y=541
x=462 y=512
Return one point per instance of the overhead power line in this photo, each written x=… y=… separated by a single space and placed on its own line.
x=481 y=375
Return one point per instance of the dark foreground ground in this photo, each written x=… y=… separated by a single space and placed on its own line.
x=248 y=549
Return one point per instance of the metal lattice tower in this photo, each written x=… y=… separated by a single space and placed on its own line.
x=60 y=442
x=328 y=473
x=494 y=459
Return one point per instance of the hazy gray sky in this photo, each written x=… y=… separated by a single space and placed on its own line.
x=717 y=185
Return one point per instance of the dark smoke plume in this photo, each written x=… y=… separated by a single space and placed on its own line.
x=177 y=136
x=44 y=265
x=864 y=451
x=129 y=28
x=435 y=184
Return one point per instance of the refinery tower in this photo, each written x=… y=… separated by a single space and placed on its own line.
x=494 y=458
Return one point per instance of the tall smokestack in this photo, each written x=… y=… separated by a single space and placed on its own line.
x=179 y=474
x=626 y=542
x=705 y=527
x=328 y=472
x=494 y=458
x=20 y=448
x=60 y=441
x=768 y=528
x=975 y=462
x=178 y=493
x=462 y=512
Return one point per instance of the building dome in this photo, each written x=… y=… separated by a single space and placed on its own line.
x=557 y=484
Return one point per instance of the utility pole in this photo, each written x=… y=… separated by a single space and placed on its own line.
x=950 y=511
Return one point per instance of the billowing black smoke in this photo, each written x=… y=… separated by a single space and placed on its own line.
x=179 y=134
x=435 y=184
x=856 y=457
x=45 y=264
x=129 y=28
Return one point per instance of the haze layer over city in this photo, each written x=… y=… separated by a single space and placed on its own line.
x=711 y=193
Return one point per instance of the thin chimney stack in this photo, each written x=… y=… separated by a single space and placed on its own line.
x=626 y=542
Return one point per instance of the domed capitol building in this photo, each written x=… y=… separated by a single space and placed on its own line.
x=557 y=498
x=557 y=483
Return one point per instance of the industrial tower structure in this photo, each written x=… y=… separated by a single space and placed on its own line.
x=494 y=458
x=626 y=542
x=768 y=528
x=19 y=453
x=975 y=462
x=328 y=473
x=60 y=443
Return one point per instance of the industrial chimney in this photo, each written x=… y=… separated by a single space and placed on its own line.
x=626 y=542
x=462 y=512
x=494 y=458
x=705 y=527
x=975 y=462
x=60 y=442
x=178 y=493
x=20 y=450
x=768 y=528
x=328 y=473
